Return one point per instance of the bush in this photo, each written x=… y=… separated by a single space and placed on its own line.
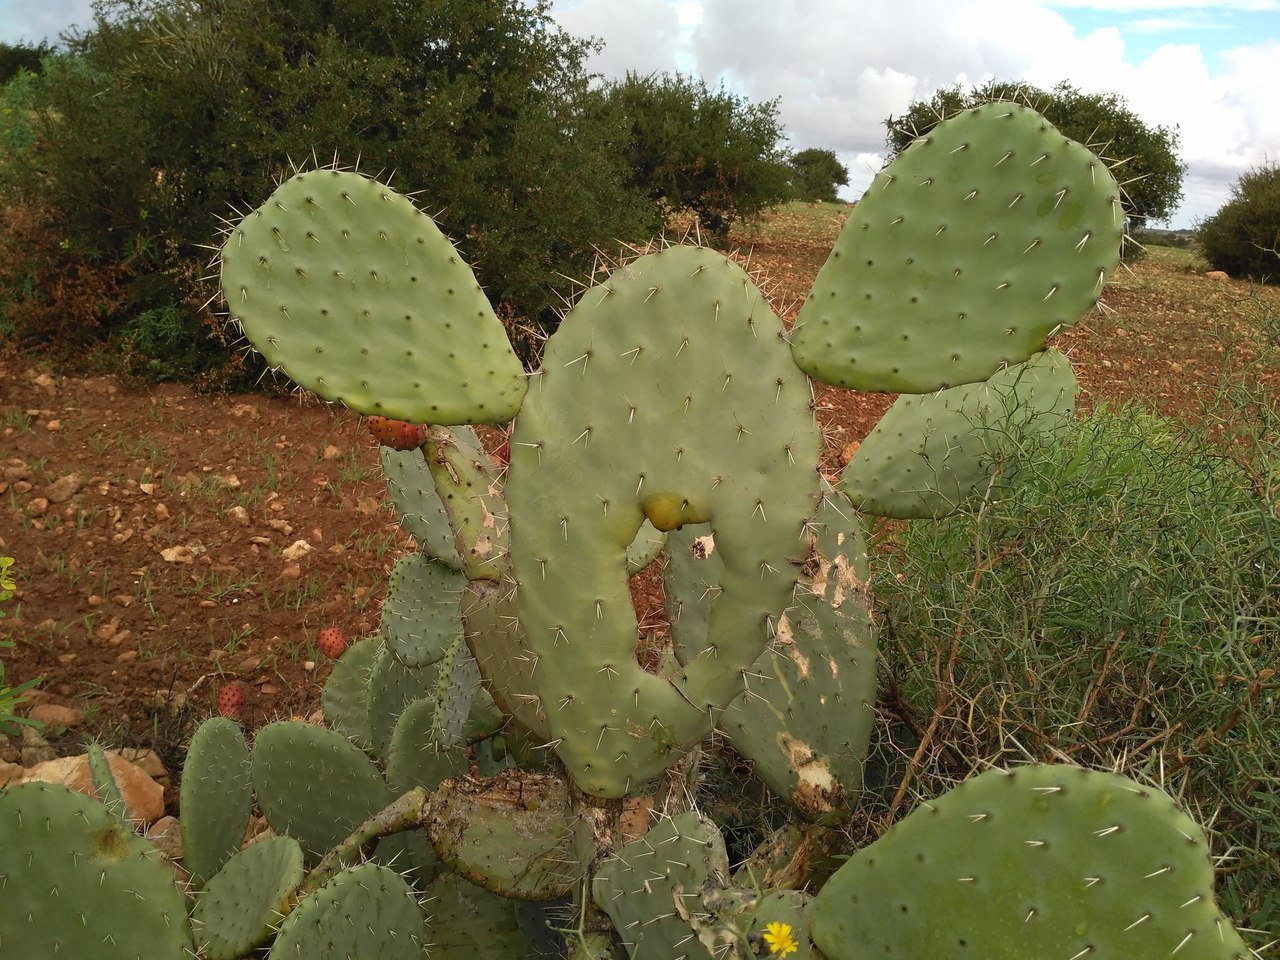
x=1243 y=238
x=181 y=110
x=1119 y=607
x=691 y=147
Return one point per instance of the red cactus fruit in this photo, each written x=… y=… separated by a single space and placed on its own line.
x=396 y=434
x=231 y=701
x=331 y=642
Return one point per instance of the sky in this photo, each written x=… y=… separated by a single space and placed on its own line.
x=1211 y=68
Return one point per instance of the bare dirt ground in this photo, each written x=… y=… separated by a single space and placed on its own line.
x=168 y=542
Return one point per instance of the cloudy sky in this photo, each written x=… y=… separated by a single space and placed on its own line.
x=1209 y=67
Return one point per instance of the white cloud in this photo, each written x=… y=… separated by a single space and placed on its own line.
x=839 y=75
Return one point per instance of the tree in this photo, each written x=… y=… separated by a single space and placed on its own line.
x=184 y=109
x=693 y=147
x=1144 y=158
x=1243 y=237
x=21 y=56
x=816 y=175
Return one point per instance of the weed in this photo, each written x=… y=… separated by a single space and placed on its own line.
x=18 y=420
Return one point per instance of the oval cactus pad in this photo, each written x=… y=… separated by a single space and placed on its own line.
x=981 y=239
x=357 y=295
x=667 y=394
x=1039 y=861
x=932 y=455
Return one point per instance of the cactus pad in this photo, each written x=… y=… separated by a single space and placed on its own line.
x=77 y=882
x=652 y=888
x=241 y=904
x=981 y=239
x=359 y=297
x=1040 y=861
x=366 y=911
x=930 y=455
x=668 y=393
x=806 y=723
x=216 y=797
x=509 y=835
x=314 y=784
x=345 y=698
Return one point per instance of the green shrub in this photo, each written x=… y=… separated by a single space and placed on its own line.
x=1119 y=607
x=158 y=117
x=1243 y=238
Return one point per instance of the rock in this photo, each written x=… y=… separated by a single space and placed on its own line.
x=162 y=512
x=53 y=426
x=149 y=762
x=10 y=772
x=64 y=488
x=54 y=716
x=166 y=836
x=296 y=550
x=249 y=410
x=239 y=515
x=37 y=506
x=1218 y=275
x=35 y=748
x=14 y=470
x=143 y=797
x=330 y=452
x=10 y=752
x=178 y=554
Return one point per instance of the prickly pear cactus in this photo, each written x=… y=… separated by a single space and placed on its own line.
x=340 y=280
x=672 y=412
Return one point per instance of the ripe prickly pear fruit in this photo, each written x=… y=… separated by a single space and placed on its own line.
x=332 y=642
x=230 y=702
x=396 y=434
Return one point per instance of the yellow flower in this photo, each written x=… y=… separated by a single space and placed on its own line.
x=778 y=937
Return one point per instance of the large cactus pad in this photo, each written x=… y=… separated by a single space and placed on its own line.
x=669 y=394
x=1040 y=861
x=976 y=243
x=358 y=296
x=75 y=881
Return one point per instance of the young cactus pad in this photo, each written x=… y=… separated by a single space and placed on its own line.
x=358 y=296
x=932 y=454
x=977 y=242
x=1039 y=861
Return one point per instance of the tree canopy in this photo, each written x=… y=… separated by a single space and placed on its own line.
x=183 y=110
x=1144 y=158
x=816 y=173
x=691 y=146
